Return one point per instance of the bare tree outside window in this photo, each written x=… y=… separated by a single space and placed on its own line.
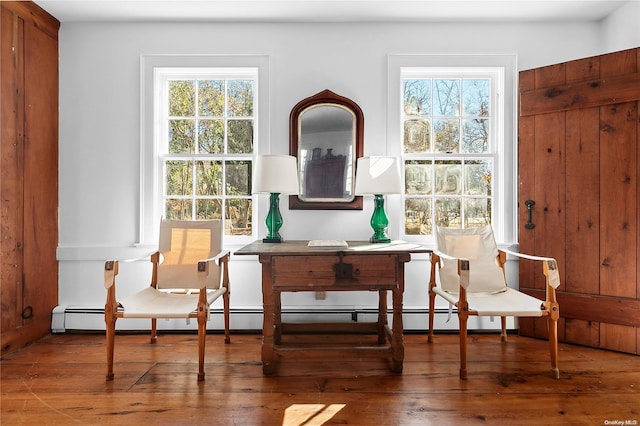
x=207 y=169
x=447 y=152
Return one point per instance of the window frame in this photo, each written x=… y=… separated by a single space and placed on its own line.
x=504 y=146
x=152 y=157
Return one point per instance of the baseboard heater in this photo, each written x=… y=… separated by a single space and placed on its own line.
x=78 y=318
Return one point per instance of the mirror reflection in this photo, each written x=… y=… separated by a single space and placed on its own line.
x=326 y=135
x=326 y=153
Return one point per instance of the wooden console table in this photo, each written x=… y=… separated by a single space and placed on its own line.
x=362 y=266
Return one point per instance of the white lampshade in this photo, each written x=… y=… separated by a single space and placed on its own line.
x=378 y=175
x=276 y=174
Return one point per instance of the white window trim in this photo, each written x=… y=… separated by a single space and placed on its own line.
x=150 y=208
x=505 y=209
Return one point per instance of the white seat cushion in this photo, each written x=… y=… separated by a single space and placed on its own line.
x=507 y=303
x=152 y=303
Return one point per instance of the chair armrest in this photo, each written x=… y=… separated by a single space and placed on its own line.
x=111 y=267
x=550 y=266
x=217 y=258
x=527 y=256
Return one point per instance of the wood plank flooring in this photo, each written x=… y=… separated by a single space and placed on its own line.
x=60 y=380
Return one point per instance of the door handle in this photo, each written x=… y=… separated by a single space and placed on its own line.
x=529 y=204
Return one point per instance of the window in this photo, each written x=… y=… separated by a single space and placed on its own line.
x=199 y=149
x=448 y=150
x=206 y=145
x=451 y=126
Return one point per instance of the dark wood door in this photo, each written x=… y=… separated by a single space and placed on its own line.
x=29 y=172
x=578 y=161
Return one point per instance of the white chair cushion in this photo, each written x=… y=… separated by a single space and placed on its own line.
x=152 y=303
x=507 y=303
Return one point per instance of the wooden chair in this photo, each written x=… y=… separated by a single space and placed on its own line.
x=190 y=271
x=467 y=270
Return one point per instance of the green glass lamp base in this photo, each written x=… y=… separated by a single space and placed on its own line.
x=272 y=240
x=379 y=240
x=379 y=221
x=273 y=220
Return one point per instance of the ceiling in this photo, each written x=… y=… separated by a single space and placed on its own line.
x=329 y=10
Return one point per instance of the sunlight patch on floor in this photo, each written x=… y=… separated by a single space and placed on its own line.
x=310 y=414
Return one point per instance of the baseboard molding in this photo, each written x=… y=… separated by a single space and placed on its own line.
x=78 y=318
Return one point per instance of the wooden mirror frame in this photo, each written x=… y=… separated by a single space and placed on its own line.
x=326 y=97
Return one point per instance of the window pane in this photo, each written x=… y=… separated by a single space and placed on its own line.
x=178 y=209
x=207 y=209
x=240 y=136
x=475 y=136
x=448 y=212
x=179 y=177
x=446 y=97
x=418 y=177
x=210 y=136
x=417 y=216
x=238 y=216
x=211 y=98
x=208 y=178
x=181 y=98
x=446 y=135
x=417 y=134
x=240 y=98
x=181 y=136
x=448 y=177
x=478 y=177
x=475 y=97
x=477 y=212
x=238 y=177
x=417 y=97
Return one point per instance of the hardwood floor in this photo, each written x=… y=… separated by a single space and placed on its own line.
x=61 y=380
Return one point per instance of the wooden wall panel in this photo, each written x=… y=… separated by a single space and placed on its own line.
x=588 y=110
x=618 y=337
x=549 y=191
x=29 y=173
x=582 y=332
x=10 y=175
x=526 y=146
x=618 y=190
x=582 y=209
x=582 y=69
x=41 y=178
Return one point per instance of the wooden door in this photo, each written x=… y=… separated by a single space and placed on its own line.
x=578 y=161
x=29 y=172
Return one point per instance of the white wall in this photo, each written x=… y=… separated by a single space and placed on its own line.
x=621 y=29
x=100 y=124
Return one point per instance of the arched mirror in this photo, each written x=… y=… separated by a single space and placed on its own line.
x=326 y=135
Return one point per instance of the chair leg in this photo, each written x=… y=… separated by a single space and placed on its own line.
x=553 y=346
x=110 y=332
x=225 y=300
x=202 y=338
x=432 y=306
x=503 y=333
x=154 y=330
x=463 y=315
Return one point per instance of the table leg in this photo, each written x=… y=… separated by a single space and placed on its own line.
x=382 y=316
x=397 y=340
x=268 y=326
x=277 y=317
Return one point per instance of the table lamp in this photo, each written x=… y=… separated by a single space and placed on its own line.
x=378 y=176
x=275 y=175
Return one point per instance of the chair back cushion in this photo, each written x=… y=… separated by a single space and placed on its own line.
x=479 y=246
x=182 y=244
